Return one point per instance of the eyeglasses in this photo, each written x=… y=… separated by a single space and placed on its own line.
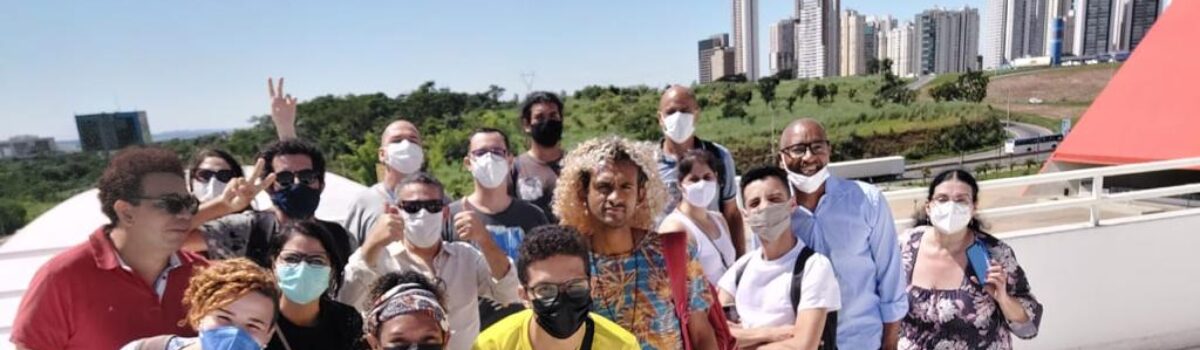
x=799 y=150
x=305 y=177
x=174 y=203
x=549 y=292
x=415 y=347
x=222 y=175
x=298 y=258
x=493 y=150
x=412 y=207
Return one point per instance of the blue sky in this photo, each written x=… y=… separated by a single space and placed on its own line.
x=203 y=64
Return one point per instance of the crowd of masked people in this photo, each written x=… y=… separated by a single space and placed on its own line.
x=614 y=244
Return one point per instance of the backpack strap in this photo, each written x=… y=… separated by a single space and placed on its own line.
x=675 y=254
x=155 y=343
x=829 y=333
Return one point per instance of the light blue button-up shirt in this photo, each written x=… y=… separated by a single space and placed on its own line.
x=853 y=227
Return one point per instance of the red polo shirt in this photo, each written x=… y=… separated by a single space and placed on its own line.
x=83 y=299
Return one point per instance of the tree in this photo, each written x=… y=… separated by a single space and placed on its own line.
x=833 y=91
x=852 y=93
x=970 y=86
x=802 y=90
x=766 y=89
x=873 y=66
x=736 y=78
x=885 y=67
x=819 y=93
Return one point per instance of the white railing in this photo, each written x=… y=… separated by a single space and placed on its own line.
x=1092 y=201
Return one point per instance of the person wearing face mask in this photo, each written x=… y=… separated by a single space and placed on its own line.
x=782 y=295
x=555 y=283
x=950 y=260
x=413 y=242
x=535 y=172
x=677 y=114
x=407 y=313
x=400 y=153
x=132 y=266
x=849 y=222
x=309 y=274
x=707 y=228
x=211 y=172
x=231 y=304
x=296 y=179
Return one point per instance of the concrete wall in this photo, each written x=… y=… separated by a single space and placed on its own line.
x=1127 y=286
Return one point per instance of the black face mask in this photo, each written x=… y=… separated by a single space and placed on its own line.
x=563 y=317
x=547 y=133
x=298 y=201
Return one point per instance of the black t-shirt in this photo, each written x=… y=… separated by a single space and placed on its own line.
x=339 y=326
x=248 y=234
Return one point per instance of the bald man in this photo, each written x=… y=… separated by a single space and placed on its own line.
x=849 y=222
x=401 y=154
x=677 y=115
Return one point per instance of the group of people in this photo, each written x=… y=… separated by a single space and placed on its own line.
x=615 y=244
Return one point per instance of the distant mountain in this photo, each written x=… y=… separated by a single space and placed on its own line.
x=73 y=145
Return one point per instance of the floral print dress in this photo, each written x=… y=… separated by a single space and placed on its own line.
x=965 y=317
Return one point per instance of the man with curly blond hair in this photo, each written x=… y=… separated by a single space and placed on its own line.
x=610 y=192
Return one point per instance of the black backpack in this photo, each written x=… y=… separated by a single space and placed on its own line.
x=829 y=334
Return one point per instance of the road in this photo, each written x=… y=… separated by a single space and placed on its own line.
x=994 y=156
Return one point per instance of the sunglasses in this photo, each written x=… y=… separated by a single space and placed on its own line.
x=493 y=150
x=412 y=207
x=222 y=175
x=174 y=203
x=287 y=179
x=549 y=292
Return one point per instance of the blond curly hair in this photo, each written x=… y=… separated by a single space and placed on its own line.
x=580 y=166
x=224 y=282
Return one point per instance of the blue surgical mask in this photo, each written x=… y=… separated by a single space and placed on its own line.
x=298 y=201
x=303 y=283
x=228 y=338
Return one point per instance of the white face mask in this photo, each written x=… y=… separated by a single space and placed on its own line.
x=679 y=126
x=808 y=184
x=771 y=221
x=405 y=157
x=700 y=193
x=206 y=191
x=422 y=229
x=489 y=170
x=950 y=218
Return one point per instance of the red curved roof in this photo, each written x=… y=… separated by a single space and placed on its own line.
x=1151 y=109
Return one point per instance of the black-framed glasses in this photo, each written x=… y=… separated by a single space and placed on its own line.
x=304 y=177
x=222 y=175
x=415 y=347
x=174 y=203
x=799 y=150
x=294 y=258
x=499 y=151
x=412 y=207
x=549 y=292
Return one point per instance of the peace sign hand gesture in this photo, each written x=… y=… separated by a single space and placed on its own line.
x=241 y=191
x=283 y=110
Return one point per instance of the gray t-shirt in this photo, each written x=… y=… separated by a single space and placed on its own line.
x=727 y=185
x=507 y=227
x=534 y=182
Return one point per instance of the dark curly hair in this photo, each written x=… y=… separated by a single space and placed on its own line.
x=547 y=241
x=393 y=279
x=539 y=97
x=122 y=179
x=292 y=147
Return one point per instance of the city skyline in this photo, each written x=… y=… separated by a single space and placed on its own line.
x=79 y=58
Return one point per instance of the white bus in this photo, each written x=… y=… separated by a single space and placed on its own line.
x=1032 y=144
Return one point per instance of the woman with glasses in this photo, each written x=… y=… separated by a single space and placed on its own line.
x=309 y=271
x=210 y=173
x=966 y=289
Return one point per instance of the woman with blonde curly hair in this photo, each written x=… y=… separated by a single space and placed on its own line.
x=610 y=192
x=232 y=304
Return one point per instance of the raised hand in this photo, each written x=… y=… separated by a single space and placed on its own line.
x=469 y=228
x=283 y=110
x=241 y=191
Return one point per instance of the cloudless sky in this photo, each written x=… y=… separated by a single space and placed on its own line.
x=204 y=64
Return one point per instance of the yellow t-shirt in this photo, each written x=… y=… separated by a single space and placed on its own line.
x=513 y=333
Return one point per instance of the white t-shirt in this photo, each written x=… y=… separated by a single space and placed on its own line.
x=715 y=254
x=764 y=296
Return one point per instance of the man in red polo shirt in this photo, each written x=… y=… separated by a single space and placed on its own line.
x=127 y=281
